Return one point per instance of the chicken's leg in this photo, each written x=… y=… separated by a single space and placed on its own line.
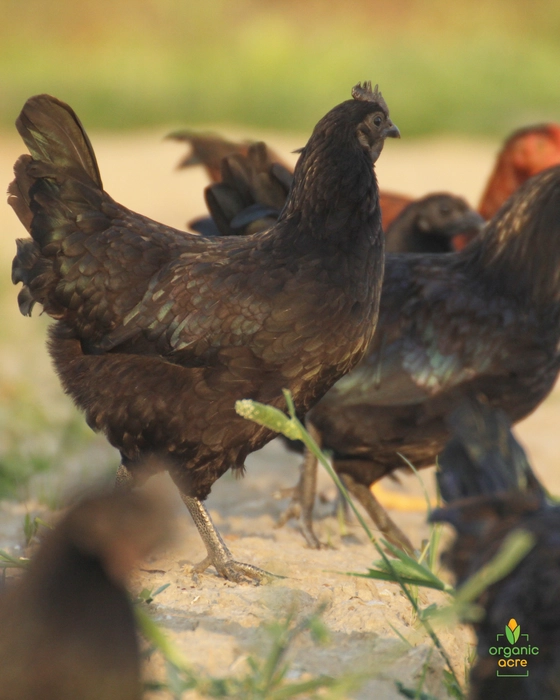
x=218 y=554
x=378 y=514
x=303 y=498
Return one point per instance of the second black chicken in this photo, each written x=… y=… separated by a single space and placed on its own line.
x=485 y=320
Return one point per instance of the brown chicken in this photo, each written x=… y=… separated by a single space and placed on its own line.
x=485 y=320
x=159 y=332
x=491 y=492
x=525 y=153
x=68 y=630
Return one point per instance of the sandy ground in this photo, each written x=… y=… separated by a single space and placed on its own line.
x=216 y=624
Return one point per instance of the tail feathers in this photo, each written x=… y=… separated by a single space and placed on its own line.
x=254 y=178
x=55 y=136
x=208 y=150
x=34 y=271
x=18 y=191
x=57 y=195
x=252 y=193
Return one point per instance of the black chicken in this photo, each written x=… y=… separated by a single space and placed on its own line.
x=491 y=491
x=68 y=628
x=159 y=332
x=254 y=187
x=483 y=320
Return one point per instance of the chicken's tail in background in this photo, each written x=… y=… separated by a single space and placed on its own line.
x=208 y=150
x=252 y=193
x=62 y=167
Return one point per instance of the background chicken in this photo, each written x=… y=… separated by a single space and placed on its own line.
x=68 y=628
x=184 y=325
x=249 y=197
x=525 y=153
x=431 y=224
x=483 y=320
x=491 y=492
x=210 y=150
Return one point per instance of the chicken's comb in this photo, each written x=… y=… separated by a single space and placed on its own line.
x=364 y=93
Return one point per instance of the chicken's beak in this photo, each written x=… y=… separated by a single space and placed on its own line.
x=469 y=227
x=392 y=132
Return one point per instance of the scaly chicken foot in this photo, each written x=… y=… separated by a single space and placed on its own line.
x=219 y=555
x=303 y=498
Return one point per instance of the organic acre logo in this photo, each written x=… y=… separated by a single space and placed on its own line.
x=511 y=662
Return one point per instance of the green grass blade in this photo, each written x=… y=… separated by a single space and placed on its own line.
x=514 y=549
x=292 y=428
x=9 y=562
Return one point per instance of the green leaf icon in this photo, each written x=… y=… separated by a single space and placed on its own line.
x=513 y=634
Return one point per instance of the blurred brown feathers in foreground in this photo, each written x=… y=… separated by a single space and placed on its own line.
x=68 y=630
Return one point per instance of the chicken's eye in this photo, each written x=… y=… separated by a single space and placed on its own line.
x=377 y=121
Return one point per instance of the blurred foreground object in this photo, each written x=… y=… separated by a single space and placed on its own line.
x=67 y=628
x=492 y=492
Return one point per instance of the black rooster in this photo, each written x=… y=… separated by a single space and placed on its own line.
x=159 y=332
x=491 y=492
x=68 y=628
x=483 y=320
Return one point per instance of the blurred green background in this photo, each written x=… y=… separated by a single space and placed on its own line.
x=481 y=67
